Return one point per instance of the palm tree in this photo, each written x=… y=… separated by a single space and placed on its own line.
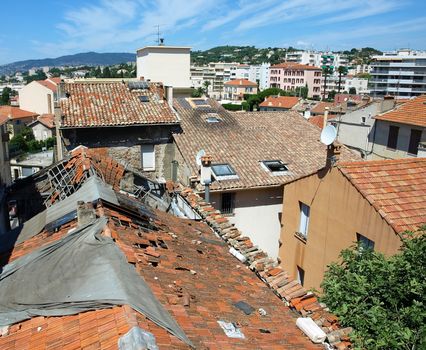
x=206 y=85
x=342 y=70
x=326 y=71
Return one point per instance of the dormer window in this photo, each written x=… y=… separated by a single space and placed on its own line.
x=276 y=167
x=223 y=172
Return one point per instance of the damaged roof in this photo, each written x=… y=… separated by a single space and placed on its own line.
x=190 y=272
x=102 y=104
x=243 y=142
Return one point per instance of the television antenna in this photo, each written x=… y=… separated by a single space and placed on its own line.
x=328 y=135
x=201 y=153
x=159 y=40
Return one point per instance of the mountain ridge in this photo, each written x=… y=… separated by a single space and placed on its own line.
x=79 y=59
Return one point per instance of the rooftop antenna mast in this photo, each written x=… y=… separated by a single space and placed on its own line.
x=158 y=34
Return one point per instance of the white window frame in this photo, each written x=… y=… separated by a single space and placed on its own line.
x=304 y=219
x=148 y=157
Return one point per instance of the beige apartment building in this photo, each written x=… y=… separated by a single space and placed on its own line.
x=355 y=201
x=236 y=89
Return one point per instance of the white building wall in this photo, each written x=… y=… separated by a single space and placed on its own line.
x=40 y=132
x=167 y=64
x=34 y=97
x=361 y=85
x=257 y=215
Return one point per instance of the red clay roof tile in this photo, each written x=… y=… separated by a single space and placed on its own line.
x=396 y=188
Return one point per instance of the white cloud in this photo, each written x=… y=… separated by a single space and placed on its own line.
x=119 y=23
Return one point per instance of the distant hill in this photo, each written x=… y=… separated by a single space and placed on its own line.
x=86 y=59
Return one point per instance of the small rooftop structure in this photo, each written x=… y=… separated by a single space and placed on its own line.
x=283 y=102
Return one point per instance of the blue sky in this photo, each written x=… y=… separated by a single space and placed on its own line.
x=50 y=28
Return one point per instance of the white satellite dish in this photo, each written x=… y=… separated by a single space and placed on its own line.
x=201 y=153
x=328 y=135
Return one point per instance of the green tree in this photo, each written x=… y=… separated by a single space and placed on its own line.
x=106 y=72
x=302 y=91
x=331 y=95
x=39 y=75
x=326 y=72
x=382 y=298
x=352 y=90
x=5 y=96
x=206 y=85
x=342 y=70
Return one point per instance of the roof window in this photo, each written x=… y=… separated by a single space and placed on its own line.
x=276 y=167
x=144 y=98
x=213 y=118
x=223 y=172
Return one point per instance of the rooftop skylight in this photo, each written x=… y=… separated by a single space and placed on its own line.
x=224 y=172
x=276 y=167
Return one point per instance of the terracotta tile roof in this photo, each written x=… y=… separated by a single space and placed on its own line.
x=318 y=120
x=396 y=188
x=16 y=113
x=240 y=82
x=280 y=102
x=320 y=107
x=55 y=80
x=191 y=273
x=294 y=66
x=48 y=120
x=98 y=104
x=243 y=140
x=49 y=84
x=412 y=112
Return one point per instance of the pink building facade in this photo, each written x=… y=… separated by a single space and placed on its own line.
x=288 y=76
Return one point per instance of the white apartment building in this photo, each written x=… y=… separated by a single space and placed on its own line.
x=360 y=85
x=359 y=69
x=216 y=73
x=255 y=73
x=401 y=74
x=169 y=65
x=316 y=58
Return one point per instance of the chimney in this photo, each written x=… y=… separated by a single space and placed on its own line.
x=333 y=154
x=325 y=117
x=85 y=213
x=206 y=174
x=169 y=95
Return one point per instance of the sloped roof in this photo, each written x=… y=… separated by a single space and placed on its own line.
x=295 y=66
x=318 y=120
x=49 y=84
x=396 y=188
x=240 y=82
x=48 y=120
x=412 y=112
x=243 y=140
x=320 y=107
x=280 y=101
x=191 y=273
x=100 y=104
x=15 y=113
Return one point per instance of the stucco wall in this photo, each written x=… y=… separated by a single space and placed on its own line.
x=337 y=213
x=257 y=215
x=34 y=98
x=171 y=66
x=381 y=140
x=40 y=132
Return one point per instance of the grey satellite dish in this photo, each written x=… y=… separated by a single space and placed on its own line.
x=201 y=153
x=328 y=135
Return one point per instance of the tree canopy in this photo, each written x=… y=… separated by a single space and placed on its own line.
x=382 y=298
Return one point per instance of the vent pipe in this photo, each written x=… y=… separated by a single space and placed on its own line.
x=169 y=95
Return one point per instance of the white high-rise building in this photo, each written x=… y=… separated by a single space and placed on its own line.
x=255 y=73
x=401 y=74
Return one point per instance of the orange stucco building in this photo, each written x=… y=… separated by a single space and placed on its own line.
x=368 y=201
